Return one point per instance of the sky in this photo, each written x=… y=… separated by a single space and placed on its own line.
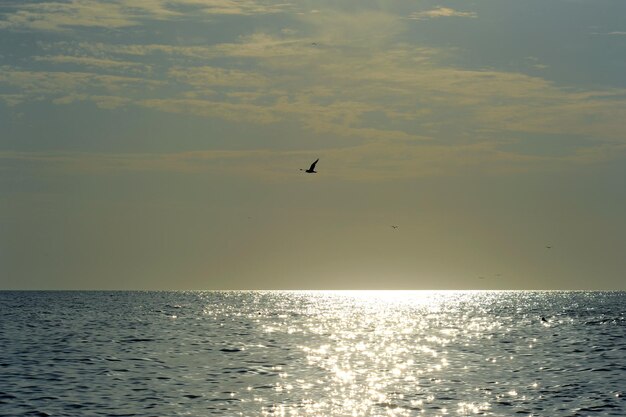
x=157 y=144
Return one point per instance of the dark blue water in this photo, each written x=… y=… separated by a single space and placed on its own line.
x=312 y=353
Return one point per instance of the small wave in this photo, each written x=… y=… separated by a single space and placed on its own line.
x=137 y=340
x=230 y=350
x=5 y=396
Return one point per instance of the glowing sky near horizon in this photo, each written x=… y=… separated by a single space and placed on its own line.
x=153 y=144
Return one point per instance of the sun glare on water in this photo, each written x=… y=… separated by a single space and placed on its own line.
x=381 y=352
x=315 y=354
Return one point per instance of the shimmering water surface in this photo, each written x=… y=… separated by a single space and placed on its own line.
x=312 y=353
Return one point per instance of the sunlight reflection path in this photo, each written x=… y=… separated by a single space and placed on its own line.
x=382 y=352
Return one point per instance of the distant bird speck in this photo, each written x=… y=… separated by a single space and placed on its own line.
x=311 y=169
x=548 y=247
x=394 y=226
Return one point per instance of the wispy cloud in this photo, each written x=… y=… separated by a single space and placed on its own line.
x=103 y=102
x=13 y=99
x=63 y=16
x=55 y=15
x=62 y=87
x=614 y=33
x=440 y=12
x=92 y=62
x=341 y=79
x=236 y=7
x=236 y=112
x=373 y=161
x=319 y=89
x=207 y=76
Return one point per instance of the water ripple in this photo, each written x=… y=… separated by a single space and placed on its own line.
x=312 y=353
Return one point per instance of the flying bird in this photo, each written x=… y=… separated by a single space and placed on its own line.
x=311 y=169
x=394 y=226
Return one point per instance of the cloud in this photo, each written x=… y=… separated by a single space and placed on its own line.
x=374 y=161
x=321 y=89
x=440 y=12
x=237 y=112
x=255 y=46
x=55 y=15
x=13 y=99
x=365 y=29
x=207 y=76
x=129 y=51
x=66 y=15
x=93 y=62
x=357 y=82
x=614 y=33
x=103 y=163
x=236 y=7
x=103 y=102
x=67 y=86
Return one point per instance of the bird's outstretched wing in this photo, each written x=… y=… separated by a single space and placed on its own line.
x=313 y=164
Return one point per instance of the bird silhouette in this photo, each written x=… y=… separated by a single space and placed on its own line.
x=311 y=169
x=394 y=226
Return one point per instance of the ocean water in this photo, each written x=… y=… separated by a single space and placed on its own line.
x=325 y=354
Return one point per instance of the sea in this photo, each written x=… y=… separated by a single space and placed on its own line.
x=313 y=353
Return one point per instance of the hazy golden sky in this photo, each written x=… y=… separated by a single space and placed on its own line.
x=153 y=144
